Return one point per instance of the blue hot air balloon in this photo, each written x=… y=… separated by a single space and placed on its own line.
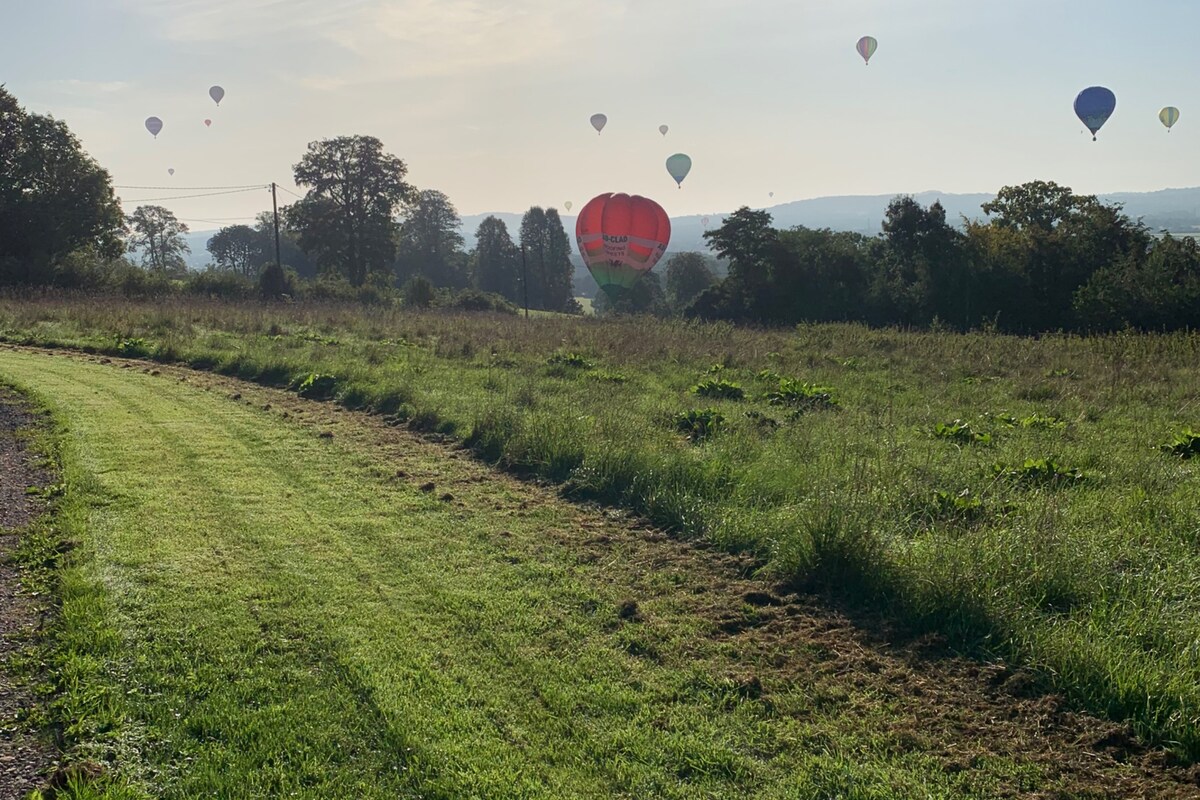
x=1094 y=105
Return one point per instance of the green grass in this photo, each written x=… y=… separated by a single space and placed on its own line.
x=1095 y=582
x=254 y=611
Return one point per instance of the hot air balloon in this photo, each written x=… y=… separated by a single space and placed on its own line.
x=567 y=205
x=679 y=165
x=866 y=48
x=1169 y=116
x=704 y=222
x=154 y=125
x=208 y=123
x=598 y=122
x=217 y=94
x=171 y=171
x=770 y=194
x=663 y=129
x=1094 y=105
x=621 y=238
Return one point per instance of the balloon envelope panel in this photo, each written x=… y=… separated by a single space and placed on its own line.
x=621 y=237
x=1094 y=105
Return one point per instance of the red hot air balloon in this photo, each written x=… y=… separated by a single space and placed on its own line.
x=208 y=123
x=621 y=237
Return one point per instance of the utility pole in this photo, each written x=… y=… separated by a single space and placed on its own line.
x=275 y=209
x=525 y=280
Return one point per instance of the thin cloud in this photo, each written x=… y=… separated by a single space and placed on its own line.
x=88 y=88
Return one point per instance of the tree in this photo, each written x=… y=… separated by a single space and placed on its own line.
x=646 y=296
x=239 y=248
x=290 y=252
x=429 y=242
x=54 y=199
x=688 y=274
x=496 y=262
x=924 y=272
x=1043 y=243
x=346 y=219
x=548 y=261
x=822 y=275
x=751 y=246
x=158 y=236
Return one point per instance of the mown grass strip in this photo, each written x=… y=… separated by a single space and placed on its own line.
x=253 y=610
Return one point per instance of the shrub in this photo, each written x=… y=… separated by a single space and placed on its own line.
x=475 y=300
x=316 y=386
x=418 y=292
x=1185 y=445
x=801 y=396
x=219 y=283
x=1041 y=472
x=719 y=389
x=961 y=433
x=275 y=283
x=698 y=424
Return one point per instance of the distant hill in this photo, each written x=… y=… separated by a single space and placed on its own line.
x=1176 y=210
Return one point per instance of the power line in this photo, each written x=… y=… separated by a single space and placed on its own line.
x=190 y=196
x=192 y=188
x=289 y=191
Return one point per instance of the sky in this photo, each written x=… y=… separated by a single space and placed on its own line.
x=489 y=101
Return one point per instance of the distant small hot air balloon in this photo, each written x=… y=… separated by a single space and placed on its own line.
x=679 y=165
x=663 y=129
x=770 y=194
x=567 y=205
x=208 y=123
x=171 y=171
x=598 y=122
x=866 y=48
x=1094 y=105
x=704 y=222
x=217 y=94
x=154 y=125
x=621 y=238
x=1169 y=116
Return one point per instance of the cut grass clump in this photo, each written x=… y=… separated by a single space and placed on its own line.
x=1185 y=445
x=801 y=397
x=698 y=424
x=719 y=389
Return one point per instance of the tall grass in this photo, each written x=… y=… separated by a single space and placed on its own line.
x=1071 y=544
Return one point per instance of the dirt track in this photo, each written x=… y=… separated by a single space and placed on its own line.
x=23 y=759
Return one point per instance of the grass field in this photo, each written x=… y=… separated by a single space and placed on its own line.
x=256 y=610
x=1040 y=521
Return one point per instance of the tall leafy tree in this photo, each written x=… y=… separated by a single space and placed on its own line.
x=346 y=218
x=547 y=254
x=496 y=262
x=751 y=246
x=924 y=271
x=158 y=236
x=688 y=274
x=54 y=199
x=429 y=241
x=239 y=248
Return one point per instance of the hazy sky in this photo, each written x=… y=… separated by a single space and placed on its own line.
x=489 y=101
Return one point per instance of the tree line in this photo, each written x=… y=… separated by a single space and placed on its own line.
x=1044 y=258
x=360 y=223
